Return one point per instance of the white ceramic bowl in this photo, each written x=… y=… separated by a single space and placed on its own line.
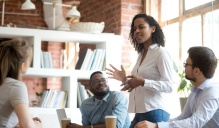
x=88 y=27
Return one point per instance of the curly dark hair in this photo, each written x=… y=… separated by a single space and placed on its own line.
x=157 y=36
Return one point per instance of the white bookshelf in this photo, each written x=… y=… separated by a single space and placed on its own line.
x=110 y=42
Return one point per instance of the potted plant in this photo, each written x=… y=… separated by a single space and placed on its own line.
x=184 y=88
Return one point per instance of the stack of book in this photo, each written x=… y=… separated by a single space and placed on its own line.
x=82 y=94
x=53 y=99
x=91 y=60
x=46 y=60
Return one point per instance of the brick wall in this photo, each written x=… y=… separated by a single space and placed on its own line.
x=23 y=18
x=129 y=9
x=108 y=11
x=116 y=14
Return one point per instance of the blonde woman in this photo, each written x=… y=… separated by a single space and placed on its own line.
x=15 y=58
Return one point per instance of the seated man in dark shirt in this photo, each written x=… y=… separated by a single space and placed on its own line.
x=104 y=102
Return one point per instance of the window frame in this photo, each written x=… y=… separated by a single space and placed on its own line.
x=183 y=15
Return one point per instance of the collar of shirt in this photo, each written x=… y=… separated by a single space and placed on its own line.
x=202 y=86
x=153 y=46
x=96 y=101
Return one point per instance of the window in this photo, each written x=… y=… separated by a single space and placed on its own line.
x=197 y=22
x=186 y=23
x=171 y=11
x=191 y=34
x=189 y=4
x=172 y=40
x=211 y=30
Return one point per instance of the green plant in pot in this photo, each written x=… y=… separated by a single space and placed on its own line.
x=184 y=87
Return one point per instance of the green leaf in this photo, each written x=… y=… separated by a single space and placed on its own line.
x=182 y=85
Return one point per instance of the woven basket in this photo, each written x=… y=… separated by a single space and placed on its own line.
x=87 y=27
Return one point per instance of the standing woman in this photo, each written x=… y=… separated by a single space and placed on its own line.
x=15 y=58
x=152 y=76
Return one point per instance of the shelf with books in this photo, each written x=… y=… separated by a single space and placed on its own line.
x=91 y=59
x=109 y=42
x=68 y=82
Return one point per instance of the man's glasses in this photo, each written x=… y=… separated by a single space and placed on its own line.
x=186 y=64
x=97 y=82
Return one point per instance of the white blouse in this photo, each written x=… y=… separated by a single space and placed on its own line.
x=157 y=70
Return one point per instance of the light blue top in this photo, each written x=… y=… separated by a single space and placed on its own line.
x=114 y=103
x=201 y=109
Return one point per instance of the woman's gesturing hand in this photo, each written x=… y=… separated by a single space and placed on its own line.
x=132 y=83
x=116 y=74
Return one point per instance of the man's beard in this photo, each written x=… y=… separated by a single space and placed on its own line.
x=190 y=78
x=104 y=93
